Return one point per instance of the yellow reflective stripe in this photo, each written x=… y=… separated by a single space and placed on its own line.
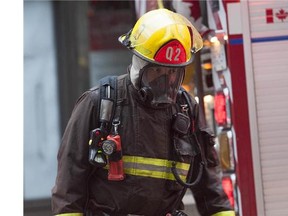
x=155 y=161
x=225 y=213
x=70 y=214
x=152 y=174
x=153 y=167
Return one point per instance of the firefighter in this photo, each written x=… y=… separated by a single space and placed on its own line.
x=163 y=148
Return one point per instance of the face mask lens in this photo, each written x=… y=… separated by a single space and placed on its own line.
x=164 y=83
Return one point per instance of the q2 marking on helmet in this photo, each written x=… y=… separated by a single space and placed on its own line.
x=163 y=37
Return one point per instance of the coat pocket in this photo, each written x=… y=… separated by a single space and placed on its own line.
x=208 y=145
x=185 y=147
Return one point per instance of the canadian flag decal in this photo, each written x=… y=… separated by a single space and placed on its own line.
x=276 y=15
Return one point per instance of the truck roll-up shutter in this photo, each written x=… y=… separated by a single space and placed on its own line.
x=269 y=89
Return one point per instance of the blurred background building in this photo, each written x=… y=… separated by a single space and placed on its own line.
x=239 y=79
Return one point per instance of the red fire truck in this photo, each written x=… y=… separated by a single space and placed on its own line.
x=248 y=47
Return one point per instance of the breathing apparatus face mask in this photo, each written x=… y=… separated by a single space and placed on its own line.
x=159 y=85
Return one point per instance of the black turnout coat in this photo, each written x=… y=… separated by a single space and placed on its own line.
x=148 y=148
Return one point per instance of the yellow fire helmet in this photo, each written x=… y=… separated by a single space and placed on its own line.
x=164 y=38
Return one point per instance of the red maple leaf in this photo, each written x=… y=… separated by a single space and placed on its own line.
x=195 y=10
x=282 y=14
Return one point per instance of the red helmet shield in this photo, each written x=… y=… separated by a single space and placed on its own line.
x=171 y=53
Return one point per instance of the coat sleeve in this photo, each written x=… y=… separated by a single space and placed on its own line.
x=209 y=194
x=69 y=195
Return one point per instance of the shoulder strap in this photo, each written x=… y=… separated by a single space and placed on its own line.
x=107 y=104
x=112 y=94
x=108 y=83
